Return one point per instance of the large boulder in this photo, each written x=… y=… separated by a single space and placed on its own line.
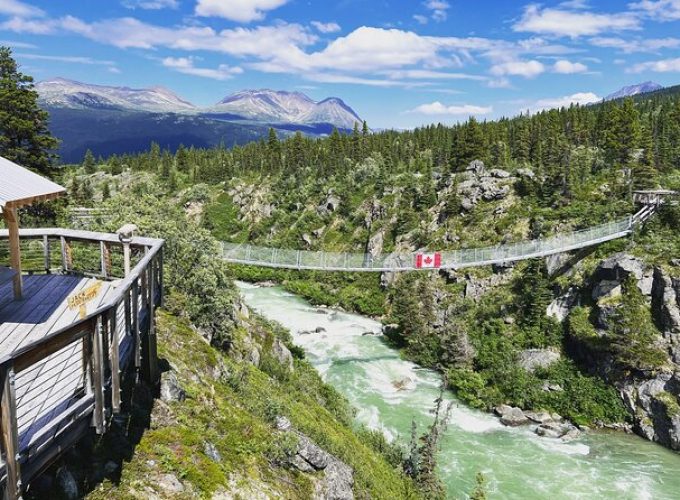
x=338 y=477
x=531 y=359
x=560 y=307
x=511 y=416
x=375 y=243
x=618 y=267
x=282 y=354
x=170 y=388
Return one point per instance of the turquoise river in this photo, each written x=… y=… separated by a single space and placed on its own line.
x=388 y=392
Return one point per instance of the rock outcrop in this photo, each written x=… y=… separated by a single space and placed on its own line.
x=531 y=359
x=478 y=184
x=252 y=202
x=652 y=398
x=337 y=478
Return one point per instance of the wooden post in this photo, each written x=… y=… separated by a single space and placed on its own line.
x=46 y=253
x=66 y=257
x=126 y=258
x=115 y=360
x=10 y=436
x=12 y=221
x=105 y=252
x=161 y=299
x=135 y=324
x=149 y=340
x=98 y=376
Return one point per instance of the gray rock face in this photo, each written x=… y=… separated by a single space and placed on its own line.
x=656 y=404
x=526 y=173
x=618 y=267
x=282 y=354
x=653 y=398
x=67 y=484
x=530 y=359
x=511 y=416
x=282 y=424
x=170 y=388
x=338 y=477
x=482 y=185
x=375 y=244
x=169 y=483
x=212 y=453
x=476 y=287
x=329 y=205
x=562 y=305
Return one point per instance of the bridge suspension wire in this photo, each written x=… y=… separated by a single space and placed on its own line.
x=454 y=259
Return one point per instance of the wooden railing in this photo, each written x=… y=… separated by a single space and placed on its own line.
x=94 y=351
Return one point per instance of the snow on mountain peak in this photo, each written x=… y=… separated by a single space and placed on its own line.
x=64 y=93
x=276 y=106
x=631 y=90
x=260 y=105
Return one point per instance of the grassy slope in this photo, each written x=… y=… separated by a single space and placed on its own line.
x=234 y=412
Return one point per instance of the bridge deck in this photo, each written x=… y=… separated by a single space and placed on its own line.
x=49 y=387
x=454 y=259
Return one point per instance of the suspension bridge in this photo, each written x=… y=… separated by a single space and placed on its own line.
x=260 y=256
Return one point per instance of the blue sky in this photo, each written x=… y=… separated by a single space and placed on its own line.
x=398 y=63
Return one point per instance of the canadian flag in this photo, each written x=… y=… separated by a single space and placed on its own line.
x=428 y=260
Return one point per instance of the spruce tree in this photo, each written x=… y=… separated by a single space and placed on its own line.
x=24 y=136
x=88 y=162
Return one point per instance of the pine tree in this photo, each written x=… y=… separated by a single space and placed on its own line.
x=106 y=191
x=88 y=162
x=24 y=137
x=182 y=159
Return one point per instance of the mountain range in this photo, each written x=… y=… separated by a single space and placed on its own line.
x=631 y=90
x=113 y=120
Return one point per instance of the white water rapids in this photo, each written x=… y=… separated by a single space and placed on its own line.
x=389 y=392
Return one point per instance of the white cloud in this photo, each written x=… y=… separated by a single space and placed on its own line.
x=658 y=10
x=499 y=83
x=17 y=45
x=580 y=98
x=151 y=4
x=66 y=59
x=567 y=67
x=420 y=19
x=357 y=80
x=367 y=55
x=19 y=9
x=662 y=66
x=326 y=27
x=575 y=4
x=527 y=69
x=424 y=74
x=560 y=22
x=629 y=46
x=186 y=65
x=437 y=108
x=438 y=9
x=243 y=11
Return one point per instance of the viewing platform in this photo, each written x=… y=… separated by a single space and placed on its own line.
x=83 y=321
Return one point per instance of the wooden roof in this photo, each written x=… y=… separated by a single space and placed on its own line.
x=19 y=186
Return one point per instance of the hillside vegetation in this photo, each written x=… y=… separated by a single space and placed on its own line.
x=466 y=186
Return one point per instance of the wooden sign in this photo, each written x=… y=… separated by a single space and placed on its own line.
x=79 y=300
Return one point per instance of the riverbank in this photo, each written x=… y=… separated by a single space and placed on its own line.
x=516 y=462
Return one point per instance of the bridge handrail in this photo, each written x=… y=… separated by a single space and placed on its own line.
x=402 y=261
x=127 y=312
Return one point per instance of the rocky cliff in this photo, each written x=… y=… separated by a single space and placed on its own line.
x=650 y=393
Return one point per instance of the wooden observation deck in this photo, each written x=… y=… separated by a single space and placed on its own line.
x=84 y=320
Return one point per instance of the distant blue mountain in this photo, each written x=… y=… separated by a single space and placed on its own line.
x=631 y=90
x=116 y=120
